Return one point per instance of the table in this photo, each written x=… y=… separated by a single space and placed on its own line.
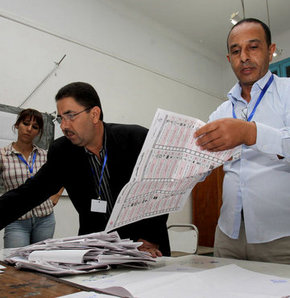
x=18 y=283
x=221 y=281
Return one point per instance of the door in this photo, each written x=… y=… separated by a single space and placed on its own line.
x=207 y=200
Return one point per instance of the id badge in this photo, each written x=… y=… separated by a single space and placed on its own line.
x=99 y=206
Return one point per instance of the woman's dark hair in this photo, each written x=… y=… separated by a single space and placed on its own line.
x=30 y=114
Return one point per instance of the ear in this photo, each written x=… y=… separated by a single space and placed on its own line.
x=96 y=112
x=272 y=49
x=228 y=57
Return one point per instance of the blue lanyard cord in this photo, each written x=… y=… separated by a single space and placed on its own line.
x=258 y=101
x=102 y=172
x=24 y=161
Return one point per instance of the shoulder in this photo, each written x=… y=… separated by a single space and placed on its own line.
x=6 y=153
x=280 y=94
x=125 y=128
x=6 y=150
x=121 y=132
x=40 y=150
x=282 y=83
x=61 y=143
x=222 y=111
x=2 y=154
x=125 y=139
x=3 y=150
x=62 y=147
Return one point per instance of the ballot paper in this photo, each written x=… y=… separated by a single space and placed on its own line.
x=229 y=281
x=81 y=254
x=84 y=294
x=168 y=167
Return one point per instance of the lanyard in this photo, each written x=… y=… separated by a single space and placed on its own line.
x=258 y=101
x=102 y=173
x=24 y=161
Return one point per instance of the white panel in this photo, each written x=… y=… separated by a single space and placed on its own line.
x=7 y=135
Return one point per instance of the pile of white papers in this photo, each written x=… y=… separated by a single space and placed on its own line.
x=81 y=254
x=230 y=281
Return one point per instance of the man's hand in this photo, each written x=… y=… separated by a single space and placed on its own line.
x=226 y=133
x=150 y=247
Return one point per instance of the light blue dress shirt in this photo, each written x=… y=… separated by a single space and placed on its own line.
x=259 y=182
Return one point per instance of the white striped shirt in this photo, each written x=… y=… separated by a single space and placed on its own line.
x=15 y=172
x=103 y=190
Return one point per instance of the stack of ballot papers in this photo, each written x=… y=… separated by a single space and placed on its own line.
x=81 y=254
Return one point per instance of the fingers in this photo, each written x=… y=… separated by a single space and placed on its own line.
x=152 y=248
x=224 y=134
x=207 y=128
x=153 y=251
x=209 y=138
x=208 y=141
x=215 y=146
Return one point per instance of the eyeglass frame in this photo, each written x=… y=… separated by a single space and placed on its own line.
x=69 y=116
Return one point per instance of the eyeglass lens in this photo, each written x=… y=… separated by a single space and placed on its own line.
x=69 y=116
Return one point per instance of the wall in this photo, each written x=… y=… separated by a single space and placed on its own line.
x=282 y=41
x=135 y=65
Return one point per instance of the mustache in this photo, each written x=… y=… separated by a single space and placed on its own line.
x=248 y=64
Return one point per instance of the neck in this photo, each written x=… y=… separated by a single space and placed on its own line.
x=246 y=92
x=23 y=148
x=97 y=143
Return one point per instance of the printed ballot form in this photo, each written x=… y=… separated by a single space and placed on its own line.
x=168 y=167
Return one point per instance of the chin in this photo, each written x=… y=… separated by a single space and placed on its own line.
x=249 y=80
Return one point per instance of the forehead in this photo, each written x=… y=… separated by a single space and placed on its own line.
x=68 y=104
x=29 y=119
x=246 y=32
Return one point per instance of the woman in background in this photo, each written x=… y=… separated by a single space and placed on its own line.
x=19 y=161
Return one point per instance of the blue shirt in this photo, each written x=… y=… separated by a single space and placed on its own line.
x=259 y=182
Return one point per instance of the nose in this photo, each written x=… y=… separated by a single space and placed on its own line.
x=244 y=55
x=64 y=123
x=29 y=127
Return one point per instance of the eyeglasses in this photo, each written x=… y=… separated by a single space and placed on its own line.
x=69 y=116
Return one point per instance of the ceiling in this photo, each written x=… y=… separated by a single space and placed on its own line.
x=207 y=21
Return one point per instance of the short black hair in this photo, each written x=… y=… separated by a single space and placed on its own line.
x=253 y=20
x=83 y=93
x=31 y=114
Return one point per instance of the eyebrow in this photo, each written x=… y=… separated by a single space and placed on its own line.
x=234 y=46
x=249 y=41
x=255 y=40
x=67 y=112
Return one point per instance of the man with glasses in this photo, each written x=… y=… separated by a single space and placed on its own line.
x=254 y=221
x=93 y=161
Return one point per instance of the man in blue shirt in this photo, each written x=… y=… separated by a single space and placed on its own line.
x=254 y=222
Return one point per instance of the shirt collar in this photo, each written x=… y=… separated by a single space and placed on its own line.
x=263 y=81
x=11 y=150
x=235 y=93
